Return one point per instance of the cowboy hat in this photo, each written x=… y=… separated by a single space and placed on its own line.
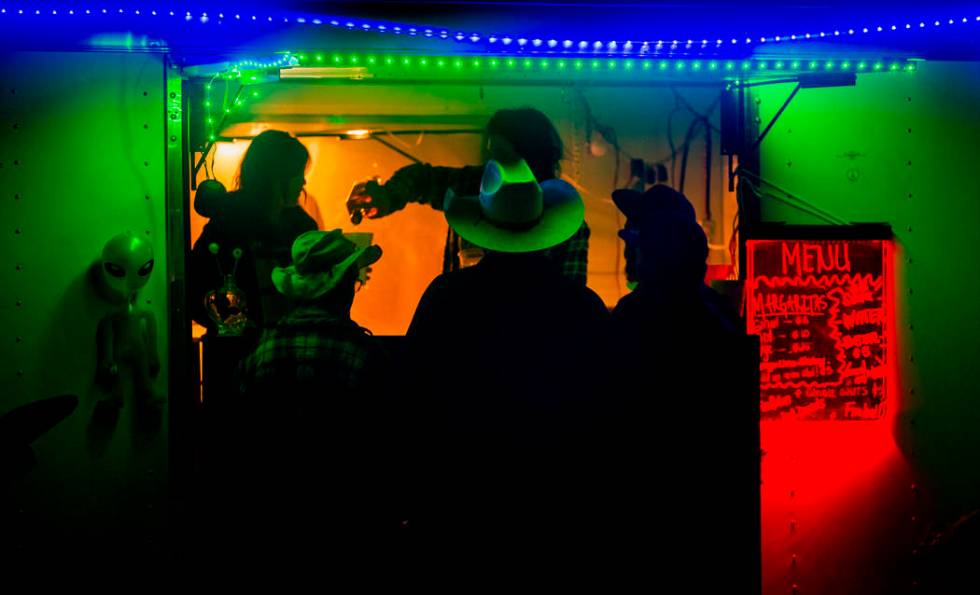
x=514 y=213
x=320 y=261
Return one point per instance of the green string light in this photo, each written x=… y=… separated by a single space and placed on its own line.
x=319 y=57
x=663 y=65
x=561 y=65
x=862 y=65
x=729 y=66
x=527 y=64
x=845 y=65
x=389 y=60
x=779 y=64
x=795 y=65
x=829 y=65
x=712 y=65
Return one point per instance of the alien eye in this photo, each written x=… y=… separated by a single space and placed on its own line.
x=145 y=269
x=114 y=269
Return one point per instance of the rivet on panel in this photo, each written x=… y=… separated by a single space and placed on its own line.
x=146 y=126
x=145 y=93
x=17 y=231
x=789 y=164
x=19 y=339
x=19 y=303
x=146 y=164
x=19 y=267
x=17 y=196
x=147 y=197
x=149 y=302
x=20 y=373
x=909 y=228
x=148 y=232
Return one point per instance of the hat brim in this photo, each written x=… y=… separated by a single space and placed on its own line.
x=289 y=282
x=562 y=216
x=627 y=201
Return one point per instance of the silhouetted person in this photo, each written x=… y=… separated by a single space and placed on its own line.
x=522 y=133
x=684 y=433
x=503 y=357
x=311 y=443
x=261 y=218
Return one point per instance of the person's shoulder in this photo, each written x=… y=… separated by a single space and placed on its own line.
x=297 y=219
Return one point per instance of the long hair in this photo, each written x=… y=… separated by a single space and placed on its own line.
x=272 y=160
x=533 y=136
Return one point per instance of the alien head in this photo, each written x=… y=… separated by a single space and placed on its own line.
x=124 y=269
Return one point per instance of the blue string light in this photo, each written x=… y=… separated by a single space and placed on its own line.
x=523 y=44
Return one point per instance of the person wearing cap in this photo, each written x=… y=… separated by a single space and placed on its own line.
x=312 y=413
x=669 y=218
x=685 y=417
x=503 y=360
x=521 y=133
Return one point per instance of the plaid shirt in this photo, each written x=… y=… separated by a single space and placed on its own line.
x=313 y=348
x=427 y=184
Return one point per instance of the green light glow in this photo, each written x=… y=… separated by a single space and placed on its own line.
x=712 y=65
x=389 y=60
x=862 y=65
x=628 y=65
x=845 y=65
x=762 y=66
x=440 y=63
x=878 y=65
x=494 y=62
x=372 y=59
x=423 y=62
x=207 y=103
x=578 y=65
x=679 y=64
x=511 y=62
x=696 y=65
x=746 y=65
x=406 y=61
x=829 y=65
x=527 y=64
x=561 y=65
x=319 y=57
x=595 y=64
x=795 y=65
x=355 y=59
x=647 y=65
x=779 y=65
x=336 y=59
x=544 y=64
x=729 y=66
x=255 y=93
x=612 y=65
x=663 y=65
x=458 y=64
x=476 y=62
x=894 y=66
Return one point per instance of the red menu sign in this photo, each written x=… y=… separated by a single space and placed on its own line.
x=819 y=309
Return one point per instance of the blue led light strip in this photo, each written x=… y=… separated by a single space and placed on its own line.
x=505 y=43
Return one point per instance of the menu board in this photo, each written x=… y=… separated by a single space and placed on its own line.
x=820 y=311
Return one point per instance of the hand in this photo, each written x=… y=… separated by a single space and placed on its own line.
x=368 y=199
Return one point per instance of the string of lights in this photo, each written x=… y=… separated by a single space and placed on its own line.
x=516 y=43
